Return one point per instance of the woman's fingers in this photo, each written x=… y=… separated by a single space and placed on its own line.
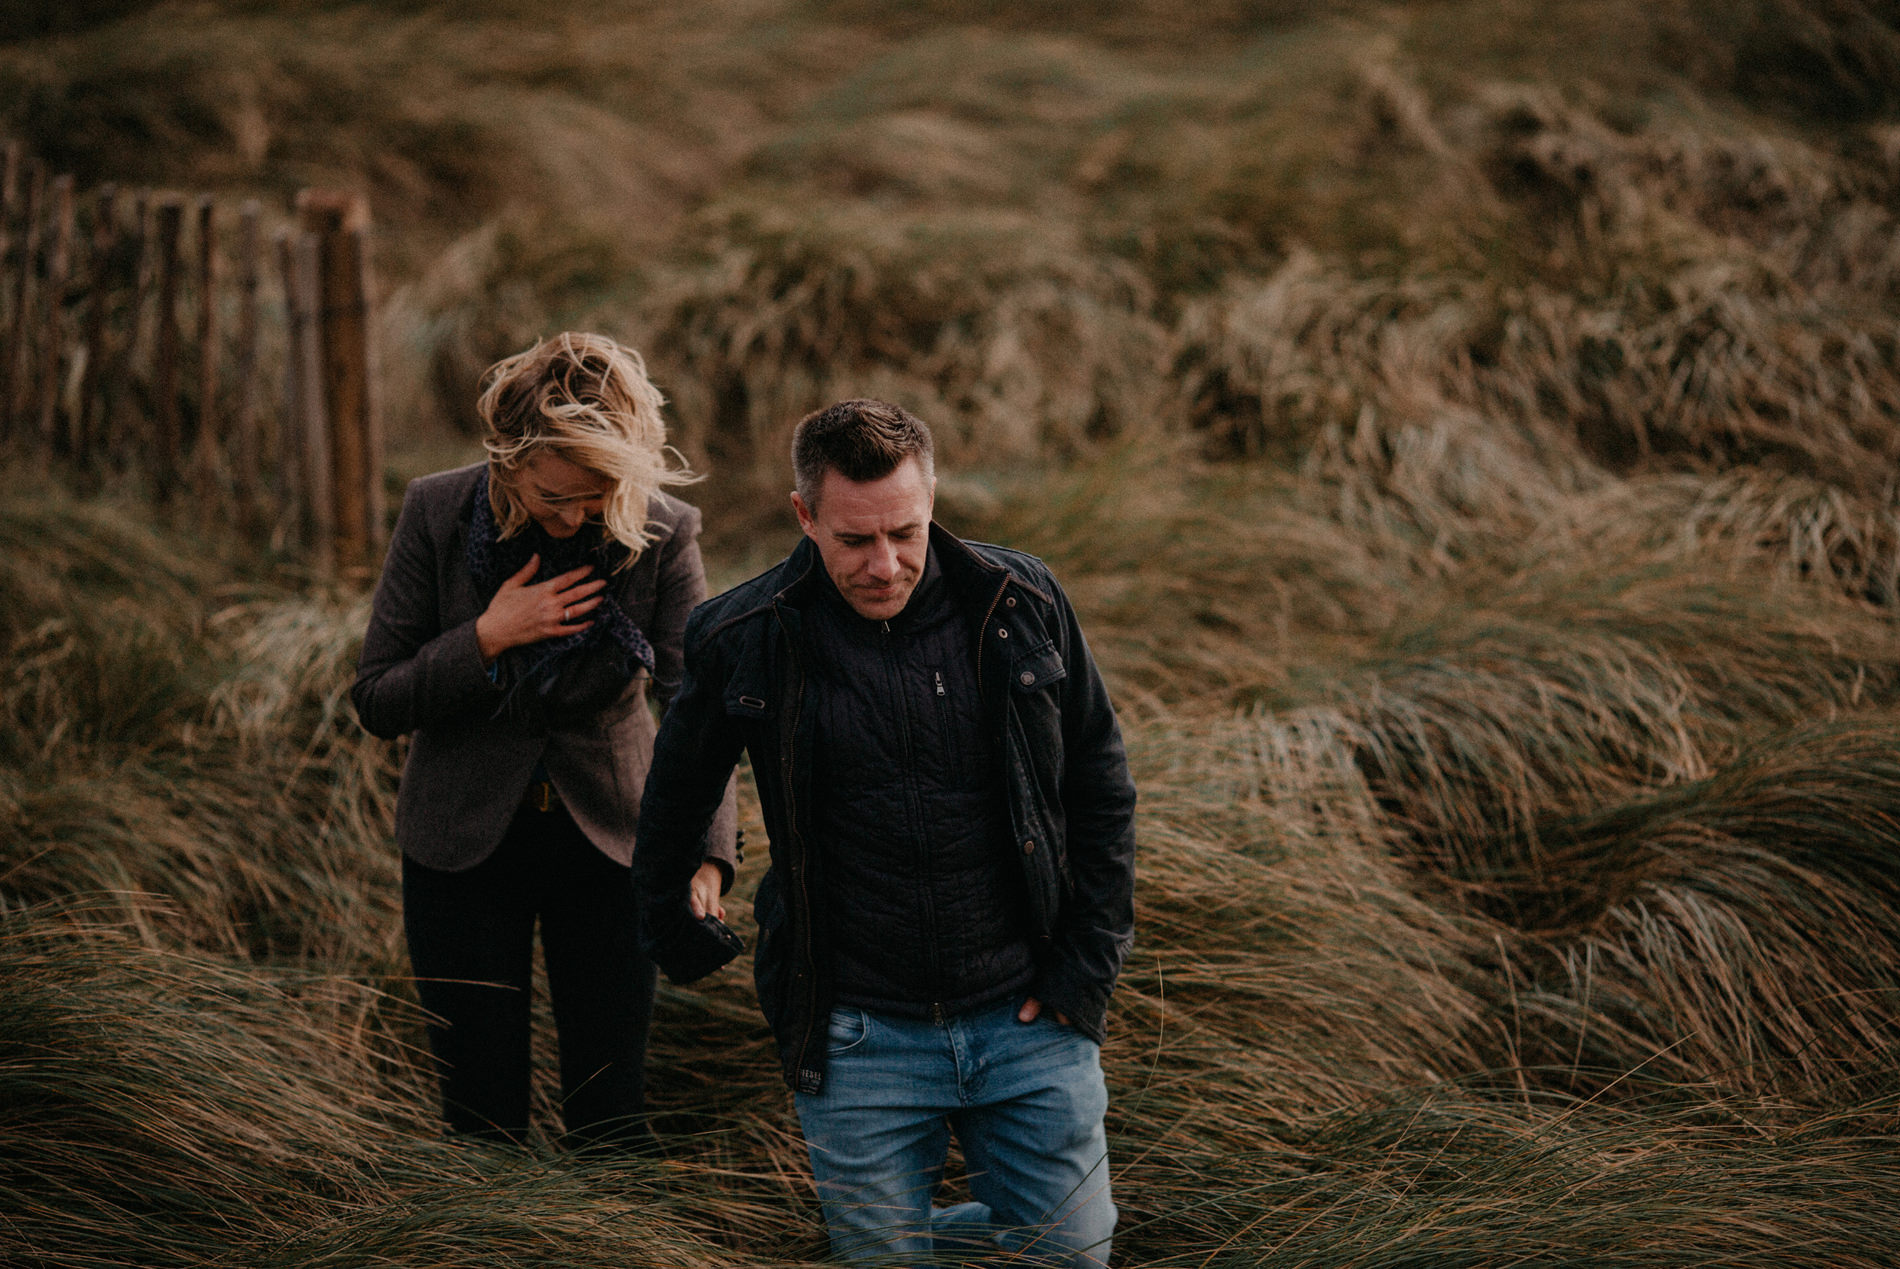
x=573 y=586
x=580 y=590
x=578 y=598
x=526 y=611
x=559 y=584
x=573 y=615
x=525 y=574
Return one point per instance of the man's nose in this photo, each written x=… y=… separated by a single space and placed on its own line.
x=884 y=561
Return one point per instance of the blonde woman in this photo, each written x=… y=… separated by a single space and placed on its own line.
x=527 y=605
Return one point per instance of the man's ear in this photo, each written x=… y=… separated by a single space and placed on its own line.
x=806 y=521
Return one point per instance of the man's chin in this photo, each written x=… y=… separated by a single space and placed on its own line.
x=880 y=607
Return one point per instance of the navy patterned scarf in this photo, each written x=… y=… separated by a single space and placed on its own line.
x=564 y=679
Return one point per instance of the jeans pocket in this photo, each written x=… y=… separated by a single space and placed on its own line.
x=846 y=1030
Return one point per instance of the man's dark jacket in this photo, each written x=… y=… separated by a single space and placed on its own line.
x=1071 y=802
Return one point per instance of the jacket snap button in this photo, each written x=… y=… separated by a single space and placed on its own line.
x=1026 y=678
x=1029 y=848
x=1010 y=602
x=1002 y=633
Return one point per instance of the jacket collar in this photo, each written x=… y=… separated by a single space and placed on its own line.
x=798 y=574
x=971 y=575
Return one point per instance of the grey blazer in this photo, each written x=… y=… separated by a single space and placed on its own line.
x=421 y=671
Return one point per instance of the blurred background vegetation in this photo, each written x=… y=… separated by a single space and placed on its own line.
x=1468 y=428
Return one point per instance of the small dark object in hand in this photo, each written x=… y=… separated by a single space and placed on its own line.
x=691 y=948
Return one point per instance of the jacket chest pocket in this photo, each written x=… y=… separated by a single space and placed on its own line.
x=958 y=719
x=1035 y=669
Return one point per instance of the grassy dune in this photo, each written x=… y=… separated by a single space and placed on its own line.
x=1467 y=429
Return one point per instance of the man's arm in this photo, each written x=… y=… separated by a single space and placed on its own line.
x=680 y=587
x=1097 y=924
x=693 y=760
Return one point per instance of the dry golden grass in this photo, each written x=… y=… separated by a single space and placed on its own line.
x=1466 y=430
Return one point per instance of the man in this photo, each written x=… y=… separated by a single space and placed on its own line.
x=950 y=897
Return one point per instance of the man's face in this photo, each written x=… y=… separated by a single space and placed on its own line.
x=873 y=536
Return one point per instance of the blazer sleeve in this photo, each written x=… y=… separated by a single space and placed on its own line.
x=412 y=673
x=681 y=587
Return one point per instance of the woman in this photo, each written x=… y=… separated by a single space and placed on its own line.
x=524 y=608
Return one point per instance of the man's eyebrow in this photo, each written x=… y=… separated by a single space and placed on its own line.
x=853 y=535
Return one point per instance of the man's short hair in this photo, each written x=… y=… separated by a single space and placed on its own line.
x=861 y=440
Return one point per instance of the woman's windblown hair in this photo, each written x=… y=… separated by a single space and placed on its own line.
x=588 y=400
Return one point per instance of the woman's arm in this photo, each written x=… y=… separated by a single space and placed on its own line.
x=412 y=673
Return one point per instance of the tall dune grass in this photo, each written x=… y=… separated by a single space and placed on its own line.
x=165 y=1109
x=1465 y=432
x=1741 y=925
x=1623 y=890
x=1049 y=232
x=1443 y=1180
x=173 y=727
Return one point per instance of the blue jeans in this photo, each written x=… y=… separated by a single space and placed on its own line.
x=1026 y=1101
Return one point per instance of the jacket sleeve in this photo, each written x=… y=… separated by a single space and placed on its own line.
x=1097 y=923
x=687 y=788
x=681 y=587
x=412 y=673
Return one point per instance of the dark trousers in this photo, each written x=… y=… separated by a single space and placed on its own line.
x=471 y=943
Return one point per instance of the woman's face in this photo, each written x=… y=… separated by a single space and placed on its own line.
x=561 y=496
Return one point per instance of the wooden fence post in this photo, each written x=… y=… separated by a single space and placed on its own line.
x=105 y=246
x=310 y=409
x=171 y=214
x=338 y=221
x=102 y=384
x=59 y=260
x=244 y=465
x=126 y=426
x=205 y=459
x=375 y=499
x=287 y=479
x=12 y=380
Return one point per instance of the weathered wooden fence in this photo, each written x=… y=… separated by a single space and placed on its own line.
x=221 y=359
